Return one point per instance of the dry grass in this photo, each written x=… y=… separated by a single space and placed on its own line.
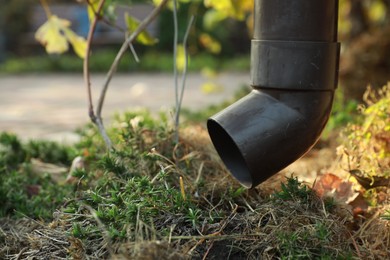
x=265 y=229
x=208 y=217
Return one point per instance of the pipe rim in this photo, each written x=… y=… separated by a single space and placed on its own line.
x=229 y=152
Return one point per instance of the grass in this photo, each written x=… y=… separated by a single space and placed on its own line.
x=152 y=198
x=133 y=198
x=149 y=61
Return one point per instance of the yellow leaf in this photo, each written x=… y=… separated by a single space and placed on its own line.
x=210 y=43
x=55 y=34
x=218 y=4
x=244 y=5
x=250 y=24
x=92 y=8
x=169 y=4
x=212 y=18
x=144 y=37
x=181 y=58
x=377 y=11
x=234 y=8
x=157 y=2
x=50 y=36
x=78 y=43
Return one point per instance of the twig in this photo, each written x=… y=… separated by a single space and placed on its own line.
x=102 y=130
x=179 y=94
x=208 y=251
x=128 y=41
x=46 y=8
x=355 y=245
x=51 y=238
x=184 y=77
x=97 y=117
x=122 y=51
x=20 y=254
x=113 y=25
x=175 y=44
x=132 y=49
x=87 y=78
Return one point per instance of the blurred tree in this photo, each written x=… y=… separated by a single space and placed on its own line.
x=224 y=27
x=365 y=35
x=220 y=26
x=13 y=22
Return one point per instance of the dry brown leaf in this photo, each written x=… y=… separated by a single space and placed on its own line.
x=330 y=185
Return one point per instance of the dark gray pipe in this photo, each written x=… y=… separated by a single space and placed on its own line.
x=294 y=71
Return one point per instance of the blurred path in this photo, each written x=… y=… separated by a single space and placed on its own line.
x=51 y=106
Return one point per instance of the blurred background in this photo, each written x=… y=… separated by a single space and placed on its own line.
x=210 y=39
x=218 y=43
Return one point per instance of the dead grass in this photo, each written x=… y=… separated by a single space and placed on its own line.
x=210 y=216
x=373 y=236
x=263 y=229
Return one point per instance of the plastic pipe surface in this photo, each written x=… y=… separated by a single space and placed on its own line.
x=294 y=71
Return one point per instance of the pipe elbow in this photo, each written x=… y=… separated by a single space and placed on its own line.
x=267 y=130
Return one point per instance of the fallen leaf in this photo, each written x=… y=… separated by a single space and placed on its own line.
x=330 y=185
x=39 y=167
x=359 y=205
x=56 y=172
x=78 y=163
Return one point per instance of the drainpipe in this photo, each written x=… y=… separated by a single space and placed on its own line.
x=294 y=72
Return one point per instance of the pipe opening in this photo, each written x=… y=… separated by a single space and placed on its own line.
x=230 y=154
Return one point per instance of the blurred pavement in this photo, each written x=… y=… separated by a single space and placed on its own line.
x=52 y=106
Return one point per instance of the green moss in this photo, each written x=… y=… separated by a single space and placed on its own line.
x=24 y=192
x=149 y=188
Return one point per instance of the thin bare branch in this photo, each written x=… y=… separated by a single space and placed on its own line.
x=184 y=77
x=132 y=49
x=87 y=78
x=103 y=19
x=97 y=117
x=102 y=130
x=175 y=45
x=122 y=51
x=46 y=8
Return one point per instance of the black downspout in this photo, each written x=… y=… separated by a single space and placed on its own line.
x=294 y=72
